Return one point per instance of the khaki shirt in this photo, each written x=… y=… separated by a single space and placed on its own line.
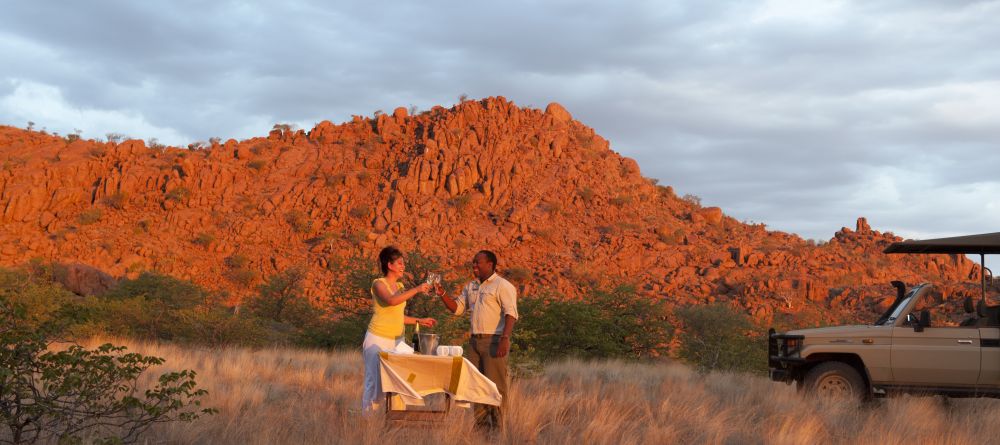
x=488 y=302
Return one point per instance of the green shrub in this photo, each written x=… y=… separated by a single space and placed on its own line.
x=299 y=221
x=353 y=277
x=151 y=306
x=587 y=194
x=717 y=337
x=621 y=200
x=178 y=194
x=241 y=276
x=360 y=211
x=260 y=147
x=116 y=200
x=219 y=326
x=257 y=164
x=137 y=266
x=345 y=319
x=160 y=307
x=154 y=144
x=73 y=394
x=138 y=317
x=614 y=323
x=666 y=191
x=461 y=202
x=624 y=226
x=346 y=332
x=518 y=275
x=132 y=317
x=356 y=237
x=204 y=239
x=281 y=299
x=174 y=293
x=237 y=261
x=90 y=216
x=321 y=238
x=694 y=200
x=334 y=179
x=551 y=208
x=35 y=293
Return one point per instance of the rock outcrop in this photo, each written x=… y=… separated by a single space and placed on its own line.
x=541 y=189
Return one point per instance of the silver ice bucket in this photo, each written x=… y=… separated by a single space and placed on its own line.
x=428 y=343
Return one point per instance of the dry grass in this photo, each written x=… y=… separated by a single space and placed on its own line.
x=295 y=396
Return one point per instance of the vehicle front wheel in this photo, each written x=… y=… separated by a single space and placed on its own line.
x=835 y=380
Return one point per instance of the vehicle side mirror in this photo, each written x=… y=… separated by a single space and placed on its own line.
x=925 y=318
x=915 y=322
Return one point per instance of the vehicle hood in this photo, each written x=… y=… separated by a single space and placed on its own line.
x=839 y=331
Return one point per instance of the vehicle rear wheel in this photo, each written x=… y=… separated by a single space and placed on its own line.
x=835 y=380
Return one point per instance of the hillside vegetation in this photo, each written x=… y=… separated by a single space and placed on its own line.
x=608 y=323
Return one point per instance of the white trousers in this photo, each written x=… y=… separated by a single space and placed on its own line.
x=373 y=398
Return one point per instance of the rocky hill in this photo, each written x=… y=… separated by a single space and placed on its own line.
x=563 y=211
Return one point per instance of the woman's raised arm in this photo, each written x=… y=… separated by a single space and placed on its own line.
x=389 y=299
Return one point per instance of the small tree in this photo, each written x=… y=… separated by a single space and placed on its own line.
x=717 y=337
x=344 y=319
x=172 y=292
x=75 y=394
x=282 y=299
x=606 y=323
x=155 y=306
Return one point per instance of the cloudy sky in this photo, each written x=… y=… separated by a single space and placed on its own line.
x=799 y=114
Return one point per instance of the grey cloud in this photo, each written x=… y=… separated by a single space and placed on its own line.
x=786 y=120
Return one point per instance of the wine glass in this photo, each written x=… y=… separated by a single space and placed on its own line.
x=433 y=278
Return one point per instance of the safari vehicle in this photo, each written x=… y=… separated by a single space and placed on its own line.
x=904 y=351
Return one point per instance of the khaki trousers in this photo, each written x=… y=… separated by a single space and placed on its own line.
x=483 y=354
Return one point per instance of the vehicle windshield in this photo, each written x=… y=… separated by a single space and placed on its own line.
x=896 y=310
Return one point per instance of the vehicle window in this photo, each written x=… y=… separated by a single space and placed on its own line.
x=899 y=309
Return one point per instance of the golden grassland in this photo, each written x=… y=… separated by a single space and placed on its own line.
x=278 y=396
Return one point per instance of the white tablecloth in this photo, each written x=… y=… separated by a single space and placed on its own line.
x=413 y=376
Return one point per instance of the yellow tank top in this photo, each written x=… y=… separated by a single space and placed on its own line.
x=387 y=321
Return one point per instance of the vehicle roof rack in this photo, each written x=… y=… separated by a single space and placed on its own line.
x=982 y=244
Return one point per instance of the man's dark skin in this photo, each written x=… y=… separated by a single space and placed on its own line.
x=482 y=268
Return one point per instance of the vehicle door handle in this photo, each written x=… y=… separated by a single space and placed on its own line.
x=965 y=342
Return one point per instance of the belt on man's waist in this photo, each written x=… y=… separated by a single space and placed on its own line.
x=484 y=335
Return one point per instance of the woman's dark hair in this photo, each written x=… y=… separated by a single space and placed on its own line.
x=388 y=255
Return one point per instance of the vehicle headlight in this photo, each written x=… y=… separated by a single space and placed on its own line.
x=792 y=346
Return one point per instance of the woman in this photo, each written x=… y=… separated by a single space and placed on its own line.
x=385 y=330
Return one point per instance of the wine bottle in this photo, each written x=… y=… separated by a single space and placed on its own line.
x=416 y=337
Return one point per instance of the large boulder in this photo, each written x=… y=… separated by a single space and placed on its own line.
x=85 y=280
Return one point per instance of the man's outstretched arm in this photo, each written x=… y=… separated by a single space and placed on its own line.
x=449 y=302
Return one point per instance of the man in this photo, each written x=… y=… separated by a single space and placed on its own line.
x=492 y=305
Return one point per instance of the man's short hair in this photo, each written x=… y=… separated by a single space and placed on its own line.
x=490 y=256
